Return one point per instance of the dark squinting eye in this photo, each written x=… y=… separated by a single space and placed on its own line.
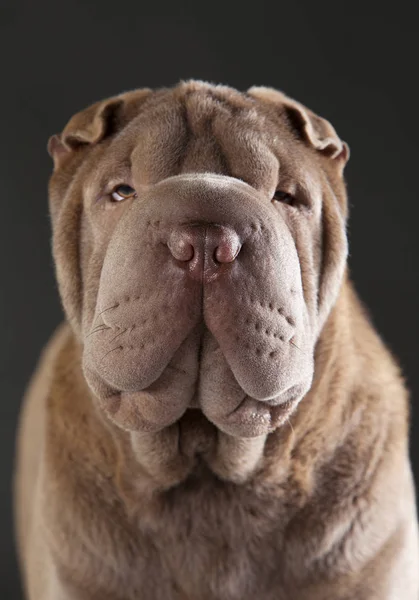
x=123 y=192
x=283 y=197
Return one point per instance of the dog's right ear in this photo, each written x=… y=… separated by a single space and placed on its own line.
x=316 y=131
x=94 y=124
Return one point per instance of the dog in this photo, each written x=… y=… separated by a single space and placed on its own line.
x=217 y=419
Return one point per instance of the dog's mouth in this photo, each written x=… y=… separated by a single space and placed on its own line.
x=147 y=371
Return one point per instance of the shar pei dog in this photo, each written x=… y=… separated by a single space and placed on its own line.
x=217 y=419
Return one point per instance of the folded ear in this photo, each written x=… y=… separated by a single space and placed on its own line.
x=95 y=123
x=315 y=130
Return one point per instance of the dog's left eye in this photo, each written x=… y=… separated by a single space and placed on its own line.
x=283 y=197
x=123 y=192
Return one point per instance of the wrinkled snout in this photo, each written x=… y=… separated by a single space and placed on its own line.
x=200 y=302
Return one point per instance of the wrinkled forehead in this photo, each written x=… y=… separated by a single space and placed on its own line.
x=201 y=133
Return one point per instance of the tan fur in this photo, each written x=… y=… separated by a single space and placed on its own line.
x=247 y=437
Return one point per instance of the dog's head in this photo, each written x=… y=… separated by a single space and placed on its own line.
x=199 y=239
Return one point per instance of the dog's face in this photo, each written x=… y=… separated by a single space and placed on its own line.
x=199 y=238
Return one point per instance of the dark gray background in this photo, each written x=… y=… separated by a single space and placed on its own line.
x=356 y=67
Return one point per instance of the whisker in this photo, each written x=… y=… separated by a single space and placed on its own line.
x=295 y=346
x=105 y=309
x=290 y=424
x=97 y=329
x=117 y=335
x=109 y=351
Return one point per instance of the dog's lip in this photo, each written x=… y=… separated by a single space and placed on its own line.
x=252 y=418
x=286 y=398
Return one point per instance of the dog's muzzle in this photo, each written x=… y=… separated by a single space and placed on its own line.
x=200 y=303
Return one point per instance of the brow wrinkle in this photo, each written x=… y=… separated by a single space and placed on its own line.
x=188 y=136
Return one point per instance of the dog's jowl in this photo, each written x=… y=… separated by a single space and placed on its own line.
x=217 y=418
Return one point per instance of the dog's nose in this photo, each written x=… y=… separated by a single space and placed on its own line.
x=203 y=249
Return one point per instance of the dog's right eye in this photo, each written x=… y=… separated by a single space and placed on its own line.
x=283 y=197
x=123 y=192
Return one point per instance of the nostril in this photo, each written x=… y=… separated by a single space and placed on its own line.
x=180 y=247
x=198 y=243
x=228 y=247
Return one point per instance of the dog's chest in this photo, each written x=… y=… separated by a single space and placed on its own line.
x=215 y=543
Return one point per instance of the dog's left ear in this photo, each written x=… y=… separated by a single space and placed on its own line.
x=318 y=132
x=95 y=123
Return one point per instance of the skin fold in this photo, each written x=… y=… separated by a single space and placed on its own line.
x=217 y=417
